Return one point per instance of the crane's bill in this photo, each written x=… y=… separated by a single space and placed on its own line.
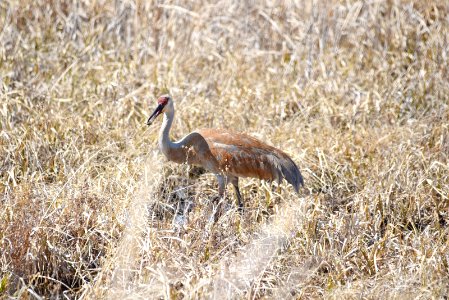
x=156 y=113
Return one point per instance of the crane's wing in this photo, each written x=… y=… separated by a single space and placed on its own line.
x=244 y=156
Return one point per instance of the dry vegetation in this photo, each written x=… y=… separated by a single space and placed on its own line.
x=357 y=92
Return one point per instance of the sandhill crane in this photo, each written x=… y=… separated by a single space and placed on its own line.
x=226 y=154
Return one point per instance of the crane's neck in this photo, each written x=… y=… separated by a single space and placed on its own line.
x=172 y=150
x=164 y=135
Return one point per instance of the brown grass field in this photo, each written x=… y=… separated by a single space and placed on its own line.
x=357 y=92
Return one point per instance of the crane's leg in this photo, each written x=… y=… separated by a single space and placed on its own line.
x=235 y=183
x=217 y=201
x=221 y=185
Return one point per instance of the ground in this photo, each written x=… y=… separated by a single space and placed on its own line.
x=355 y=92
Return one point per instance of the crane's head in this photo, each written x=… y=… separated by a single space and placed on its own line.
x=164 y=102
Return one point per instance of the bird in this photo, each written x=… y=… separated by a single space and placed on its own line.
x=226 y=154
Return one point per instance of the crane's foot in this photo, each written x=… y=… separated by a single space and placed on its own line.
x=221 y=207
x=217 y=209
x=241 y=208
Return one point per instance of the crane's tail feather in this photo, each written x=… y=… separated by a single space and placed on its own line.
x=292 y=175
x=285 y=168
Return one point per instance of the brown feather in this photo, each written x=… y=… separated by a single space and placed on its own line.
x=241 y=155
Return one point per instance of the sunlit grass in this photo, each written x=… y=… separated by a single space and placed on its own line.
x=356 y=92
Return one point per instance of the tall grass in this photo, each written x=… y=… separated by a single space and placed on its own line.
x=355 y=91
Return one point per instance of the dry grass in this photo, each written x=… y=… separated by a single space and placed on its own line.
x=357 y=93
